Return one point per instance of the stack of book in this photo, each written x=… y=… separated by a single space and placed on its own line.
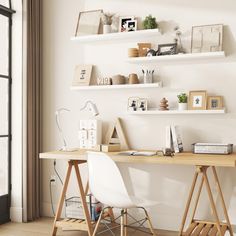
x=173 y=139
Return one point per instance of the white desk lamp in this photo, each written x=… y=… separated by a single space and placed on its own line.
x=58 y=113
x=91 y=107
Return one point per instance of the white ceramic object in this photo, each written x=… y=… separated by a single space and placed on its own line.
x=106 y=29
x=183 y=106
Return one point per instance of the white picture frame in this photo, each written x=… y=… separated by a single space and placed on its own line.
x=131 y=25
x=122 y=22
x=82 y=75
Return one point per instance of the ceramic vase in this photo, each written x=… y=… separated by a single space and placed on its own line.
x=183 y=106
x=106 y=29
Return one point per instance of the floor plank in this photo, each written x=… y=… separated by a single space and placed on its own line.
x=43 y=227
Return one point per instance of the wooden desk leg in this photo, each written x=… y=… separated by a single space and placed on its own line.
x=62 y=197
x=188 y=202
x=83 y=198
x=222 y=201
x=213 y=206
x=197 y=199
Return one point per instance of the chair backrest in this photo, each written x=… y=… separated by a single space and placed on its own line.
x=106 y=182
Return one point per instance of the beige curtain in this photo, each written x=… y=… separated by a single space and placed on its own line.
x=33 y=64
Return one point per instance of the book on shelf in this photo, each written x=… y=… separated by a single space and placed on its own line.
x=173 y=139
x=137 y=153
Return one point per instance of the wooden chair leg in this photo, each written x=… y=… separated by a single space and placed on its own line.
x=222 y=200
x=188 y=202
x=61 y=199
x=98 y=222
x=122 y=223
x=125 y=221
x=149 y=222
x=213 y=206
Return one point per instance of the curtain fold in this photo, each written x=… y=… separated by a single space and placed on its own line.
x=33 y=28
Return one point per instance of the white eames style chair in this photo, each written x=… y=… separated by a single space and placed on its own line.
x=107 y=186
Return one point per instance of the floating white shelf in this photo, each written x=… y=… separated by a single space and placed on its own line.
x=138 y=35
x=177 y=112
x=189 y=57
x=121 y=86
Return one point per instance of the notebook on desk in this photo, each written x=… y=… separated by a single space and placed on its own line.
x=137 y=153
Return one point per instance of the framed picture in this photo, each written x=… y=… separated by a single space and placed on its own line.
x=131 y=25
x=197 y=100
x=82 y=75
x=142 y=104
x=167 y=49
x=214 y=102
x=88 y=22
x=133 y=103
x=123 y=23
x=207 y=38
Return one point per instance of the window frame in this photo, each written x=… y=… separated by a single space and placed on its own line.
x=8 y=12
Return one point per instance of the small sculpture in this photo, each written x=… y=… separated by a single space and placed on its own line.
x=178 y=40
x=164 y=105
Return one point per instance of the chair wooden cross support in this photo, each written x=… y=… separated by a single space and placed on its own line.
x=205 y=228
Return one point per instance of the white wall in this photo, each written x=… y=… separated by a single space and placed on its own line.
x=168 y=185
x=17 y=113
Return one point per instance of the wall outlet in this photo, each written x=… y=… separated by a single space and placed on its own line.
x=53 y=180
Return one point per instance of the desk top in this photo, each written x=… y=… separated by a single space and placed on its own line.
x=185 y=158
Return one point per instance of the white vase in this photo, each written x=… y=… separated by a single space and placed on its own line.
x=183 y=106
x=106 y=29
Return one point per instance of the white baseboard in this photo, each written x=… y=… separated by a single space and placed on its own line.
x=16 y=214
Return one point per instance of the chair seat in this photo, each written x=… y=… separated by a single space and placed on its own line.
x=139 y=202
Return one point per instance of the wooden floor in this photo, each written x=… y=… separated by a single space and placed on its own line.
x=43 y=227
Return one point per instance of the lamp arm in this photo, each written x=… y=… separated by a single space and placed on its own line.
x=59 y=126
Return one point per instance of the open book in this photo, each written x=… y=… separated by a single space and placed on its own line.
x=137 y=153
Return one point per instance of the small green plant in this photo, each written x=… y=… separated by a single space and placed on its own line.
x=150 y=22
x=183 y=98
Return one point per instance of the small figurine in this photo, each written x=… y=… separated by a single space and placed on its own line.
x=164 y=105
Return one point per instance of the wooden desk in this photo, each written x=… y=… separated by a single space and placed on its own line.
x=202 y=163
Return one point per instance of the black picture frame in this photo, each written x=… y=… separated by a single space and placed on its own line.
x=167 y=49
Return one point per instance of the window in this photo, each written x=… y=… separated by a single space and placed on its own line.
x=5 y=108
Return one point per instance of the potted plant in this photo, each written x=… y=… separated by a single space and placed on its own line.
x=150 y=22
x=183 y=101
x=107 y=22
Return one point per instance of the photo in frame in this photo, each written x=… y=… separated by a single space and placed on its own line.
x=167 y=49
x=197 y=100
x=131 y=25
x=88 y=22
x=82 y=75
x=123 y=23
x=214 y=102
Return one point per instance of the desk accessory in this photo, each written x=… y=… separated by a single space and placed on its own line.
x=108 y=148
x=133 y=79
x=173 y=139
x=143 y=49
x=90 y=133
x=164 y=105
x=212 y=148
x=82 y=75
x=118 y=79
x=116 y=135
x=58 y=113
x=148 y=76
x=91 y=107
x=133 y=52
